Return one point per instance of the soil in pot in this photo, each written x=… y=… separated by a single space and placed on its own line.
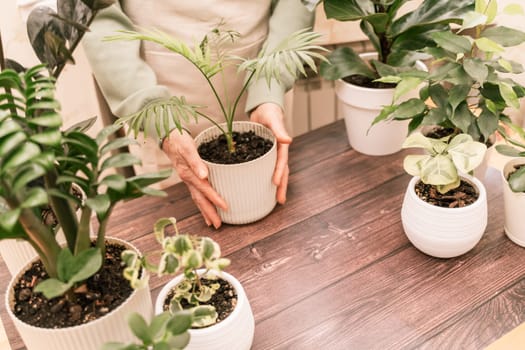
x=459 y=197
x=367 y=82
x=102 y=293
x=224 y=299
x=248 y=146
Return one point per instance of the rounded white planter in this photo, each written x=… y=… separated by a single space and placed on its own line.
x=246 y=187
x=360 y=106
x=513 y=203
x=444 y=232
x=89 y=336
x=234 y=332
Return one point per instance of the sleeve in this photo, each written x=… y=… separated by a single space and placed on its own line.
x=126 y=80
x=287 y=17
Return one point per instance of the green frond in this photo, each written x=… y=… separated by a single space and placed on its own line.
x=291 y=55
x=162 y=116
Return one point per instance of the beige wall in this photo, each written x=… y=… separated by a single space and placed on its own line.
x=75 y=88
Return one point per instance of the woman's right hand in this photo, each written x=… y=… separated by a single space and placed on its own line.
x=182 y=151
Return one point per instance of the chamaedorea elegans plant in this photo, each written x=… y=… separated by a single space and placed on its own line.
x=444 y=159
x=182 y=253
x=210 y=58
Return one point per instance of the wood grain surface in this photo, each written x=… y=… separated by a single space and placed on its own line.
x=333 y=269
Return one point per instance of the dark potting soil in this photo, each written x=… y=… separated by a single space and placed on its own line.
x=459 y=197
x=367 y=82
x=224 y=299
x=439 y=132
x=101 y=293
x=248 y=146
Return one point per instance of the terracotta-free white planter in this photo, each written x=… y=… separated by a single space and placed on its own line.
x=444 y=232
x=246 y=187
x=89 y=336
x=514 y=203
x=360 y=106
x=234 y=332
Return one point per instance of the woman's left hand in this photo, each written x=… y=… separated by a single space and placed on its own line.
x=271 y=115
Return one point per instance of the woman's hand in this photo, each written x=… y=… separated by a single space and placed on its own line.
x=271 y=115
x=182 y=152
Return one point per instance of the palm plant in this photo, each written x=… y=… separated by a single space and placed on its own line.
x=396 y=38
x=210 y=58
x=34 y=147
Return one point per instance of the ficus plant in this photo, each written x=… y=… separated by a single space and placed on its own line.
x=210 y=58
x=469 y=86
x=444 y=159
x=39 y=160
x=395 y=37
x=182 y=254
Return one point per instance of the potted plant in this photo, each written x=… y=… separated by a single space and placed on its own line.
x=225 y=317
x=242 y=179
x=396 y=39
x=71 y=296
x=444 y=212
x=469 y=87
x=513 y=179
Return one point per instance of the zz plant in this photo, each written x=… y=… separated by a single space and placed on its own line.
x=444 y=159
x=210 y=58
x=34 y=147
x=184 y=254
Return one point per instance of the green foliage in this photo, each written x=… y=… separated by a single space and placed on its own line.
x=443 y=160
x=166 y=331
x=470 y=85
x=396 y=38
x=209 y=58
x=515 y=147
x=39 y=162
x=181 y=254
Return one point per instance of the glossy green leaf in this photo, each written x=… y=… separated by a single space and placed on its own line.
x=476 y=69
x=48 y=119
x=473 y=19
x=10 y=142
x=119 y=160
x=345 y=62
x=51 y=138
x=100 y=204
x=508 y=151
x=405 y=86
x=180 y=322
x=409 y=109
x=52 y=288
x=508 y=94
x=517 y=180
x=77 y=268
x=115 y=182
x=35 y=197
x=488 y=45
x=116 y=144
x=491 y=10
x=158 y=324
x=23 y=154
x=462 y=117
x=458 y=94
x=9 y=219
x=504 y=36
x=26 y=174
x=452 y=42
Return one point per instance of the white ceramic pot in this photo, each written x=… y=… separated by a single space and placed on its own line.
x=444 y=232
x=234 y=332
x=360 y=106
x=514 y=203
x=89 y=336
x=247 y=187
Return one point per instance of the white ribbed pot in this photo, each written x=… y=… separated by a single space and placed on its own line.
x=234 y=332
x=246 y=187
x=360 y=106
x=89 y=336
x=513 y=203
x=444 y=232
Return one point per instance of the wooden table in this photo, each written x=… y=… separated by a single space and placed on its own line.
x=332 y=268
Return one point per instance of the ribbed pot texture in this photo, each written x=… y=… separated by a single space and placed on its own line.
x=89 y=336
x=247 y=187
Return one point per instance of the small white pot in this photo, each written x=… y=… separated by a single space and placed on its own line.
x=89 y=336
x=444 y=232
x=514 y=204
x=234 y=332
x=246 y=187
x=360 y=106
